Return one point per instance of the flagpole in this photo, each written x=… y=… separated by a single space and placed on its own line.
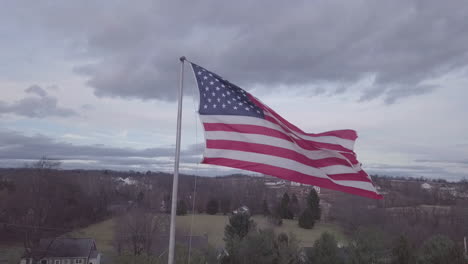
x=175 y=182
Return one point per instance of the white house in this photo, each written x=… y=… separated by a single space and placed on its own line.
x=63 y=251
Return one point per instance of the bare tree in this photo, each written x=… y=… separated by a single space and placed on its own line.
x=137 y=231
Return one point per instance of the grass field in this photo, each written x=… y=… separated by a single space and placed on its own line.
x=10 y=254
x=213 y=226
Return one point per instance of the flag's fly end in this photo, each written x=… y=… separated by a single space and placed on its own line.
x=244 y=133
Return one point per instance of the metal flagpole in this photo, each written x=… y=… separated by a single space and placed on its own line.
x=175 y=182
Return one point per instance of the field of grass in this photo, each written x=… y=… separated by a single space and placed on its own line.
x=213 y=226
x=10 y=254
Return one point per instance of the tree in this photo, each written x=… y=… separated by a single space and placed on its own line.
x=294 y=205
x=240 y=224
x=306 y=220
x=313 y=202
x=367 y=247
x=212 y=207
x=265 y=209
x=325 y=251
x=181 y=208
x=225 y=205
x=285 y=211
x=402 y=252
x=136 y=231
x=264 y=247
x=440 y=249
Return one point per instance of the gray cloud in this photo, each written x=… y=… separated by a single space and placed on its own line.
x=134 y=46
x=17 y=149
x=36 y=89
x=450 y=161
x=415 y=171
x=37 y=107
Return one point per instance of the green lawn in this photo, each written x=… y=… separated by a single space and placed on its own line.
x=10 y=254
x=213 y=226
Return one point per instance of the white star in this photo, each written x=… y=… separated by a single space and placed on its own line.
x=229 y=102
x=219 y=99
x=207 y=88
x=213 y=93
x=235 y=107
x=222 y=85
x=204 y=77
x=224 y=106
x=216 y=80
x=205 y=106
x=238 y=97
x=209 y=100
x=247 y=108
x=258 y=111
x=199 y=72
x=234 y=99
x=217 y=88
x=210 y=75
x=240 y=103
x=211 y=83
x=214 y=106
x=223 y=95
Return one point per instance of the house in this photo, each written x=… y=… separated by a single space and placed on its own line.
x=63 y=251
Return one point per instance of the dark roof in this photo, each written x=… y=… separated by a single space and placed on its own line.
x=65 y=247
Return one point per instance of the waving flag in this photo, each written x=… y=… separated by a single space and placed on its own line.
x=241 y=132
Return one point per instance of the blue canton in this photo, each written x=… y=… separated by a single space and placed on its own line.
x=220 y=97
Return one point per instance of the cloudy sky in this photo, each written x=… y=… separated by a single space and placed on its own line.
x=94 y=83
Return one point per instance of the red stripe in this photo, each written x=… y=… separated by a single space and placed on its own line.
x=260 y=130
x=290 y=175
x=287 y=154
x=344 y=133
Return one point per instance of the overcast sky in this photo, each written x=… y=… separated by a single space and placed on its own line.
x=93 y=83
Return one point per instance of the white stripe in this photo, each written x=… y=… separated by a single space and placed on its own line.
x=248 y=120
x=277 y=142
x=283 y=163
x=346 y=143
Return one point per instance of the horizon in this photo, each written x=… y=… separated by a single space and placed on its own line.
x=101 y=92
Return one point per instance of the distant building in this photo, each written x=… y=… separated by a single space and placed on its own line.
x=426 y=186
x=63 y=251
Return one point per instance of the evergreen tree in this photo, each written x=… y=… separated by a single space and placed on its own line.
x=313 y=202
x=294 y=205
x=440 y=249
x=285 y=211
x=181 y=208
x=225 y=205
x=306 y=220
x=367 y=247
x=265 y=208
x=402 y=251
x=325 y=251
x=240 y=224
x=212 y=207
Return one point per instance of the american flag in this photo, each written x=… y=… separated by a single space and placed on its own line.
x=243 y=133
